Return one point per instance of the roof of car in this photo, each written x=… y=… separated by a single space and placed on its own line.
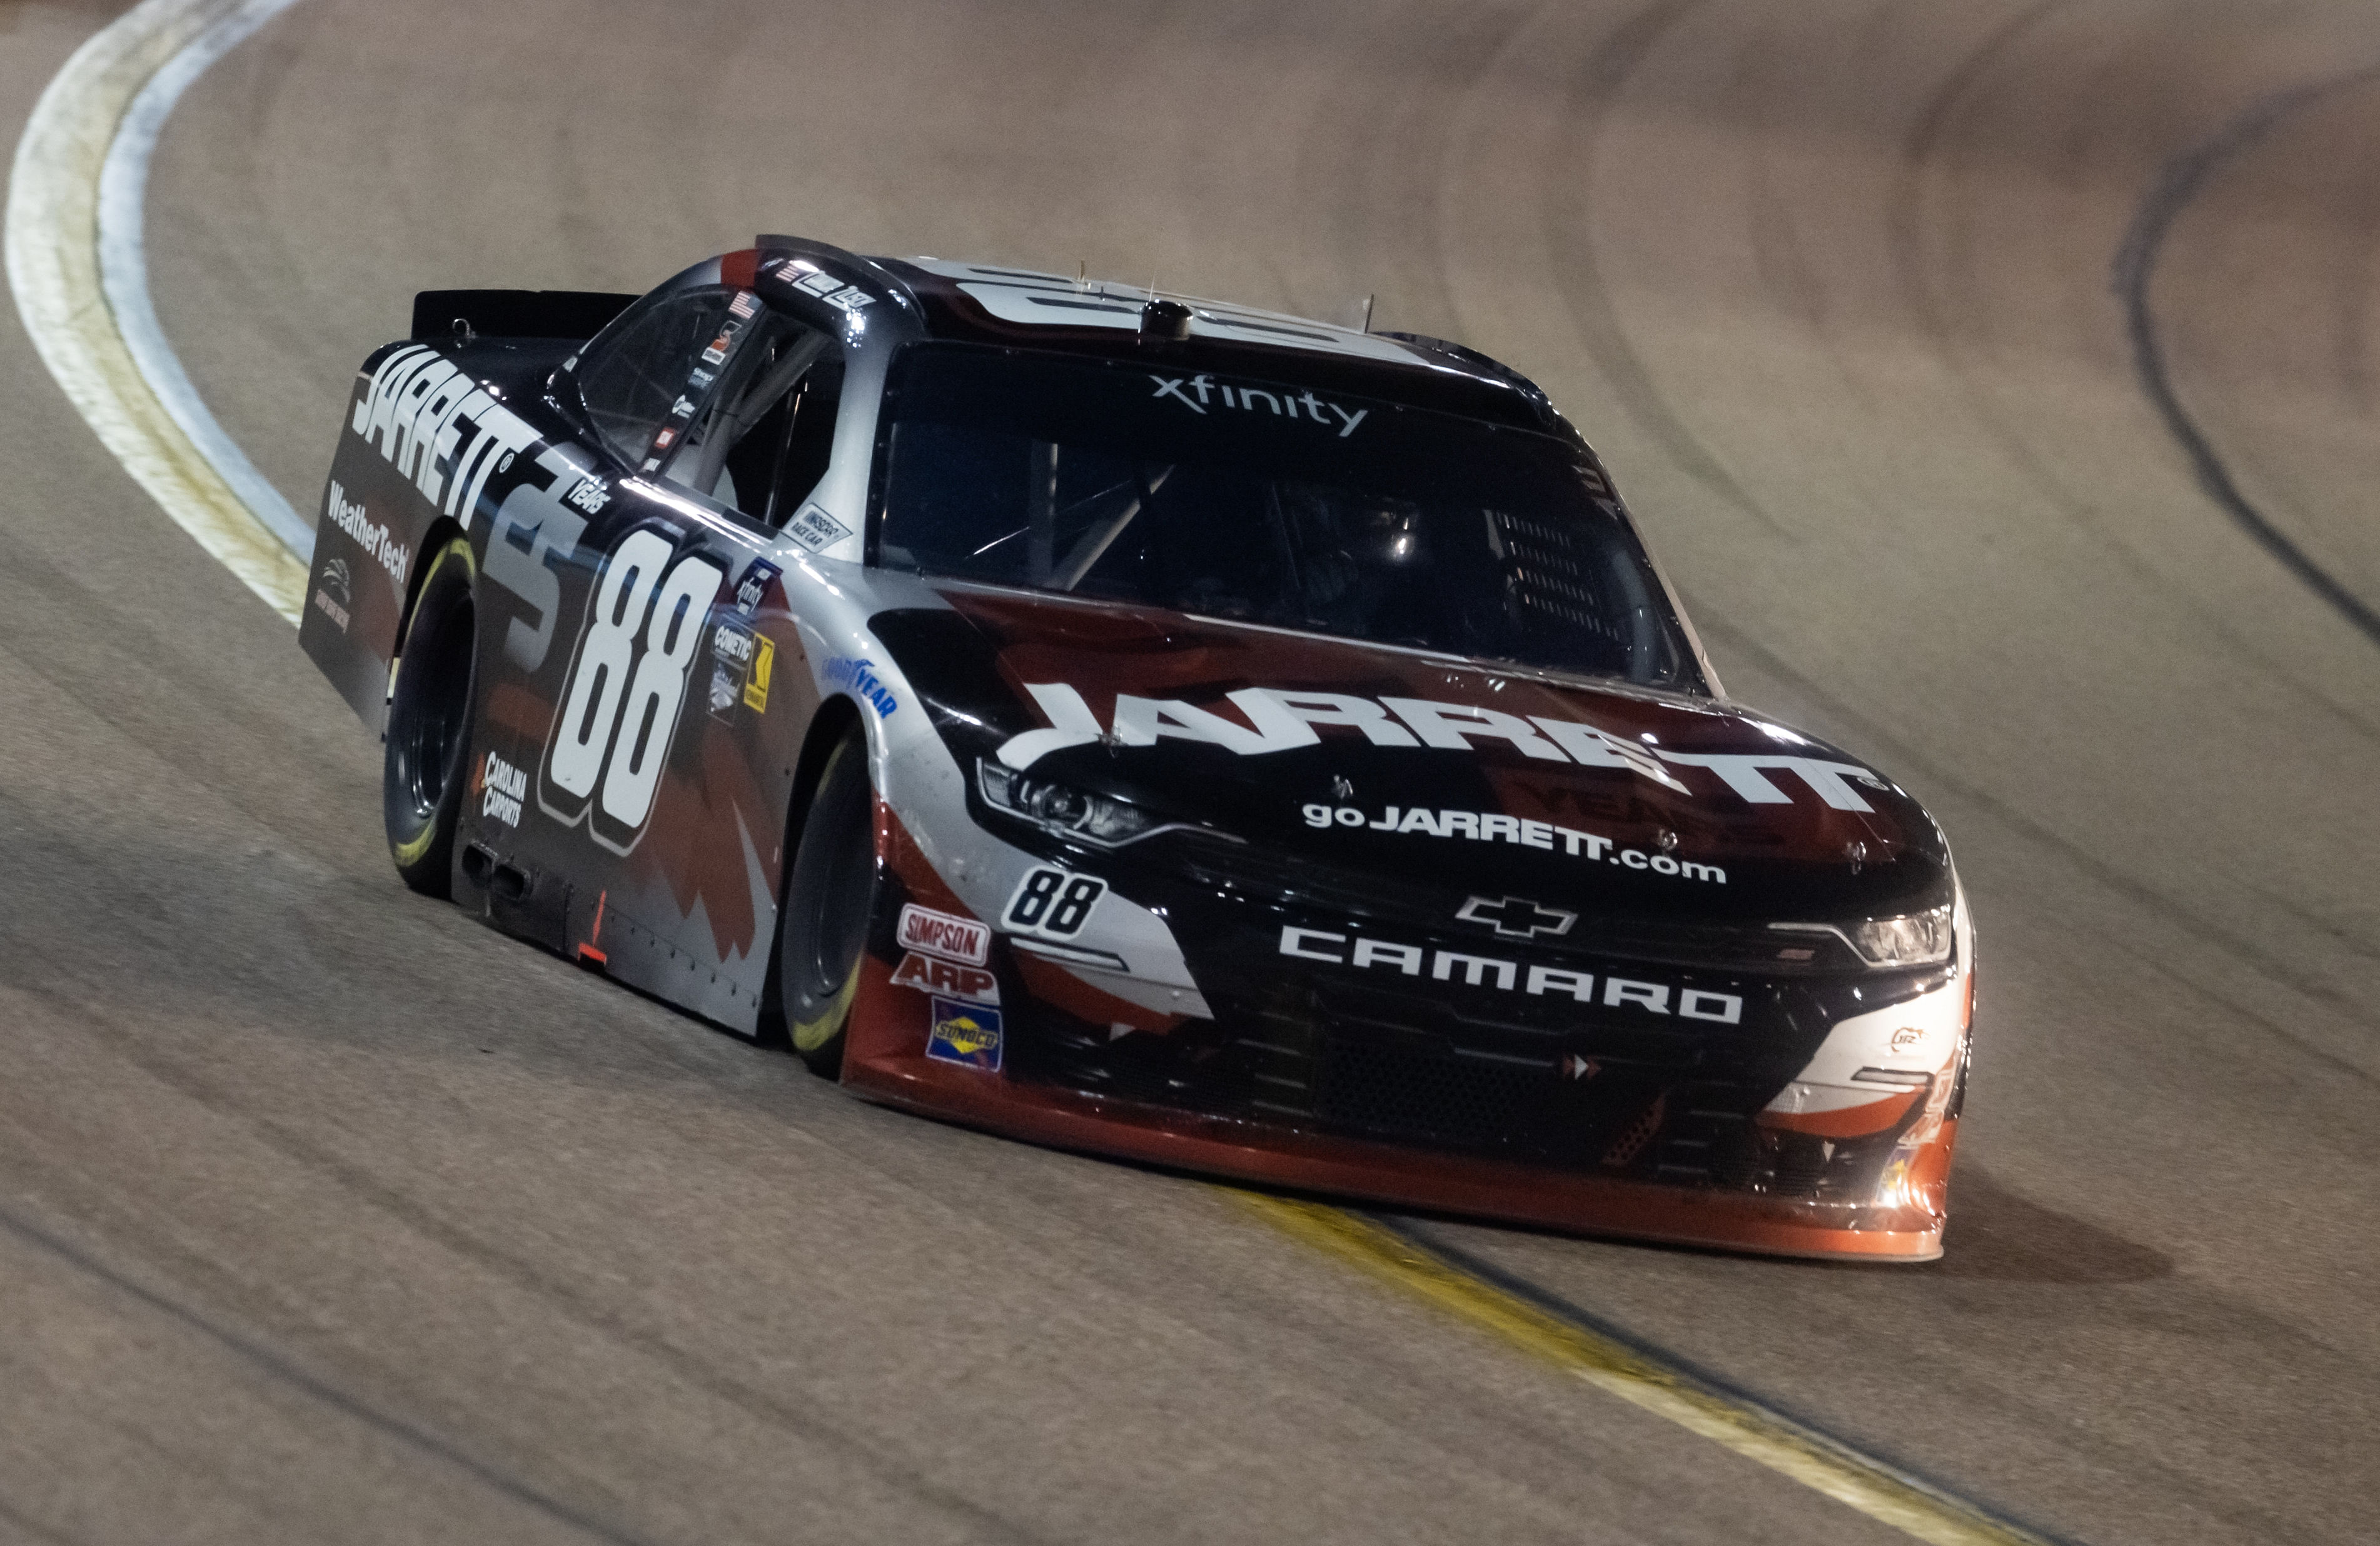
x=1024 y=308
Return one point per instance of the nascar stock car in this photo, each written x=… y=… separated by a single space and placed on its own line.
x=1160 y=728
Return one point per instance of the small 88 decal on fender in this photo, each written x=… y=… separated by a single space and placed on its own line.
x=619 y=710
x=1053 y=903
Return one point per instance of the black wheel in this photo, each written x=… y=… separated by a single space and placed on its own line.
x=830 y=897
x=429 y=725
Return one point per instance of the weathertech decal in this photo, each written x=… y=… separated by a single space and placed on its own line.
x=1509 y=976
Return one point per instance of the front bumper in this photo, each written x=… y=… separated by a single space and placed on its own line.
x=1509 y=1107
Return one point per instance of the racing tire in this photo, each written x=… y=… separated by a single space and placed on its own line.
x=429 y=725
x=830 y=900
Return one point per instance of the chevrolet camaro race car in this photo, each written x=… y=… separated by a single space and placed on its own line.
x=1164 y=729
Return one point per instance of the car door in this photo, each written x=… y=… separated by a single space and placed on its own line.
x=627 y=798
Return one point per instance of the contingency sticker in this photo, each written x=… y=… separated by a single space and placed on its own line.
x=815 y=530
x=967 y=1034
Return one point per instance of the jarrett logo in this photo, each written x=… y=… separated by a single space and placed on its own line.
x=376 y=542
x=1507 y=976
x=439 y=428
x=1201 y=393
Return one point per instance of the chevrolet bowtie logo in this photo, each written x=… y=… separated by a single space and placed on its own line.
x=1516 y=917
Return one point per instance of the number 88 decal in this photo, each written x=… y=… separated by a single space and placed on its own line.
x=1053 y=903
x=627 y=679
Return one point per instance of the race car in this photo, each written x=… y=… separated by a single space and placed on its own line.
x=1142 y=725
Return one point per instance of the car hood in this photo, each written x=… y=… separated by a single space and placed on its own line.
x=1359 y=758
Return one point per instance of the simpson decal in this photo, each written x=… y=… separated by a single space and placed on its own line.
x=944 y=935
x=967 y=1034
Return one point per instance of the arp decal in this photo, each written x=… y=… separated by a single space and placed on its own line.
x=612 y=736
x=967 y=1034
x=1053 y=903
x=1506 y=976
x=933 y=974
x=1488 y=826
x=1280 y=721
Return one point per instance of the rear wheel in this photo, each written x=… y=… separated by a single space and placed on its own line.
x=429 y=725
x=830 y=897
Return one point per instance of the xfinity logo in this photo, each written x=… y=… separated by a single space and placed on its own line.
x=1209 y=391
x=1270 y=720
x=1516 y=917
x=1507 y=976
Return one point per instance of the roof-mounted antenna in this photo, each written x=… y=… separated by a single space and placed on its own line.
x=1082 y=273
x=1368 y=313
x=1163 y=321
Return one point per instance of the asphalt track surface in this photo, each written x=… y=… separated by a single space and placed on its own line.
x=326 y=1213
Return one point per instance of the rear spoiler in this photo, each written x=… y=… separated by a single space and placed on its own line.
x=442 y=315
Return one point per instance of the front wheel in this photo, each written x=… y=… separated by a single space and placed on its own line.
x=830 y=897
x=429 y=725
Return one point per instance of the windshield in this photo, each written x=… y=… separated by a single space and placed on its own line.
x=1268 y=502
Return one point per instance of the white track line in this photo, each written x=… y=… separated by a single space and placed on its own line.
x=75 y=262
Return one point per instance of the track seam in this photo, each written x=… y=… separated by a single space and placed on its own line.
x=1552 y=1331
x=2180 y=181
x=74 y=215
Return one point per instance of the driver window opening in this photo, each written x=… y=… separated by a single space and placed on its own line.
x=763 y=440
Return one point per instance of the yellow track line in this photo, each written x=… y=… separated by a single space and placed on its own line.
x=54 y=266
x=1748 y=1429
